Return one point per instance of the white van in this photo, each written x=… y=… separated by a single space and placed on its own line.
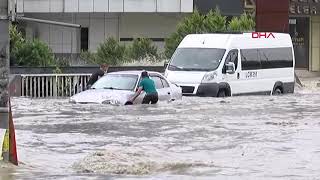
x=221 y=65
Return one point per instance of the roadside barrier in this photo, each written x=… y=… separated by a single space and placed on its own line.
x=53 y=85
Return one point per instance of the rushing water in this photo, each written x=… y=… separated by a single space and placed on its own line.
x=252 y=137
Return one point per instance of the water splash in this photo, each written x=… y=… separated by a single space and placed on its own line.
x=122 y=162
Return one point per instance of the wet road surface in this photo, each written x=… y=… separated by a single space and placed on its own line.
x=252 y=137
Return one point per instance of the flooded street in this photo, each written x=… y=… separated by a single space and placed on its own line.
x=249 y=137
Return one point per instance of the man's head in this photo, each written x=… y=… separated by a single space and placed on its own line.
x=104 y=67
x=144 y=74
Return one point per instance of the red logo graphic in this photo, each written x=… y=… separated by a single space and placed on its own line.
x=262 y=35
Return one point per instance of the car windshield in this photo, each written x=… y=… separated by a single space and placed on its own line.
x=117 y=82
x=196 y=59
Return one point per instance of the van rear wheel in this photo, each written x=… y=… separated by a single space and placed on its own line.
x=277 y=91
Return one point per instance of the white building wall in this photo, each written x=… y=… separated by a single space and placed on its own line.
x=100 y=6
x=140 y=6
x=70 y=6
x=115 y=6
x=148 y=26
x=60 y=39
x=102 y=26
x=168 y=5
x=45 y=6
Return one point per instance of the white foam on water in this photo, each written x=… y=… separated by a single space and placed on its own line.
x=135 y=162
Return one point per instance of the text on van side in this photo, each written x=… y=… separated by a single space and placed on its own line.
x=251 y=74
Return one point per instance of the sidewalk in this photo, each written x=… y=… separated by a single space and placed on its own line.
x=309 y=79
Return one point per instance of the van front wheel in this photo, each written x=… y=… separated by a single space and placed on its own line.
x=222 y=93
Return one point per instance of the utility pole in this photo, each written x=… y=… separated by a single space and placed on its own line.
x=4 y=69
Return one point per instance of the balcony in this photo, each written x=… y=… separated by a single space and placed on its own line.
x=90 y=6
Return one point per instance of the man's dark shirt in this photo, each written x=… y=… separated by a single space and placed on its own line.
x=95 y=76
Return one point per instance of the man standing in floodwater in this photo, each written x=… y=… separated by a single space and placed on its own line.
x=149 y=87
x=95 y=76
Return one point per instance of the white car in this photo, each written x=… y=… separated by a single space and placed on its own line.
x=118 y=87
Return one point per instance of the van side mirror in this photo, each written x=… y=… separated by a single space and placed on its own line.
x=230 y=68
x=166 y=65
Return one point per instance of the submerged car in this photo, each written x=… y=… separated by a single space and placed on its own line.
x=118 y=87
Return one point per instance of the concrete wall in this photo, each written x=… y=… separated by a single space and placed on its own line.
x=158 y=26
x=101 y=26
x=315 y=44
x=76 y=6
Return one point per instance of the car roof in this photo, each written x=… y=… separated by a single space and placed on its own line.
x=137 y=72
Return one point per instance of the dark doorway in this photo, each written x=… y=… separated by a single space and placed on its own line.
x=84 y=39
x=299 y=31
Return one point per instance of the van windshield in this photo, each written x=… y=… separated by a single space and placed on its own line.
x=196 y=59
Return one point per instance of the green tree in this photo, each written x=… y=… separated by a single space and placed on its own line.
x=33 y=53
x=110 y=52
x=215 y=22
x=29 y=52
x=16 y=41
x=142 y=48
x=209 y=23
x=88 y=57
x=242 y=23
x=191 y=24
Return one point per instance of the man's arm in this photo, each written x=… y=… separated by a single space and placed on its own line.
x=136 y=94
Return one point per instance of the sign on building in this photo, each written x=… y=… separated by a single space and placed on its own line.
x=304 y=7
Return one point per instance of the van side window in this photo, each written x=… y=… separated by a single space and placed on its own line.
x=276 y=58
x=250 y=59
x=231 y=57
x=266 y=58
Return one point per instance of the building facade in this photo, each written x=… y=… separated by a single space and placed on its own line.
x=304 y=28
x=305 y=32
x=101 y=19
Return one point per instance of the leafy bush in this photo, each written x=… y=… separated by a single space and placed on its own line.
x=29 y=52
x=33 y=53
x=191 y=24
x=110 y=52
x=88 y=57
x=215 y=22
x=142 y=48
x=242 y=23
x=209 y=23
x=16 y=41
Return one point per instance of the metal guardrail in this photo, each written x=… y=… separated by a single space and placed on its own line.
x=53 y=85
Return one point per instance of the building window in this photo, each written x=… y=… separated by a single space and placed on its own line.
x=84 y=39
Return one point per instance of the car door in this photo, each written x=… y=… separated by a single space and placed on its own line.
x=167 y=89
x=141 y=96
x=163 y=92
x=233 y=78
